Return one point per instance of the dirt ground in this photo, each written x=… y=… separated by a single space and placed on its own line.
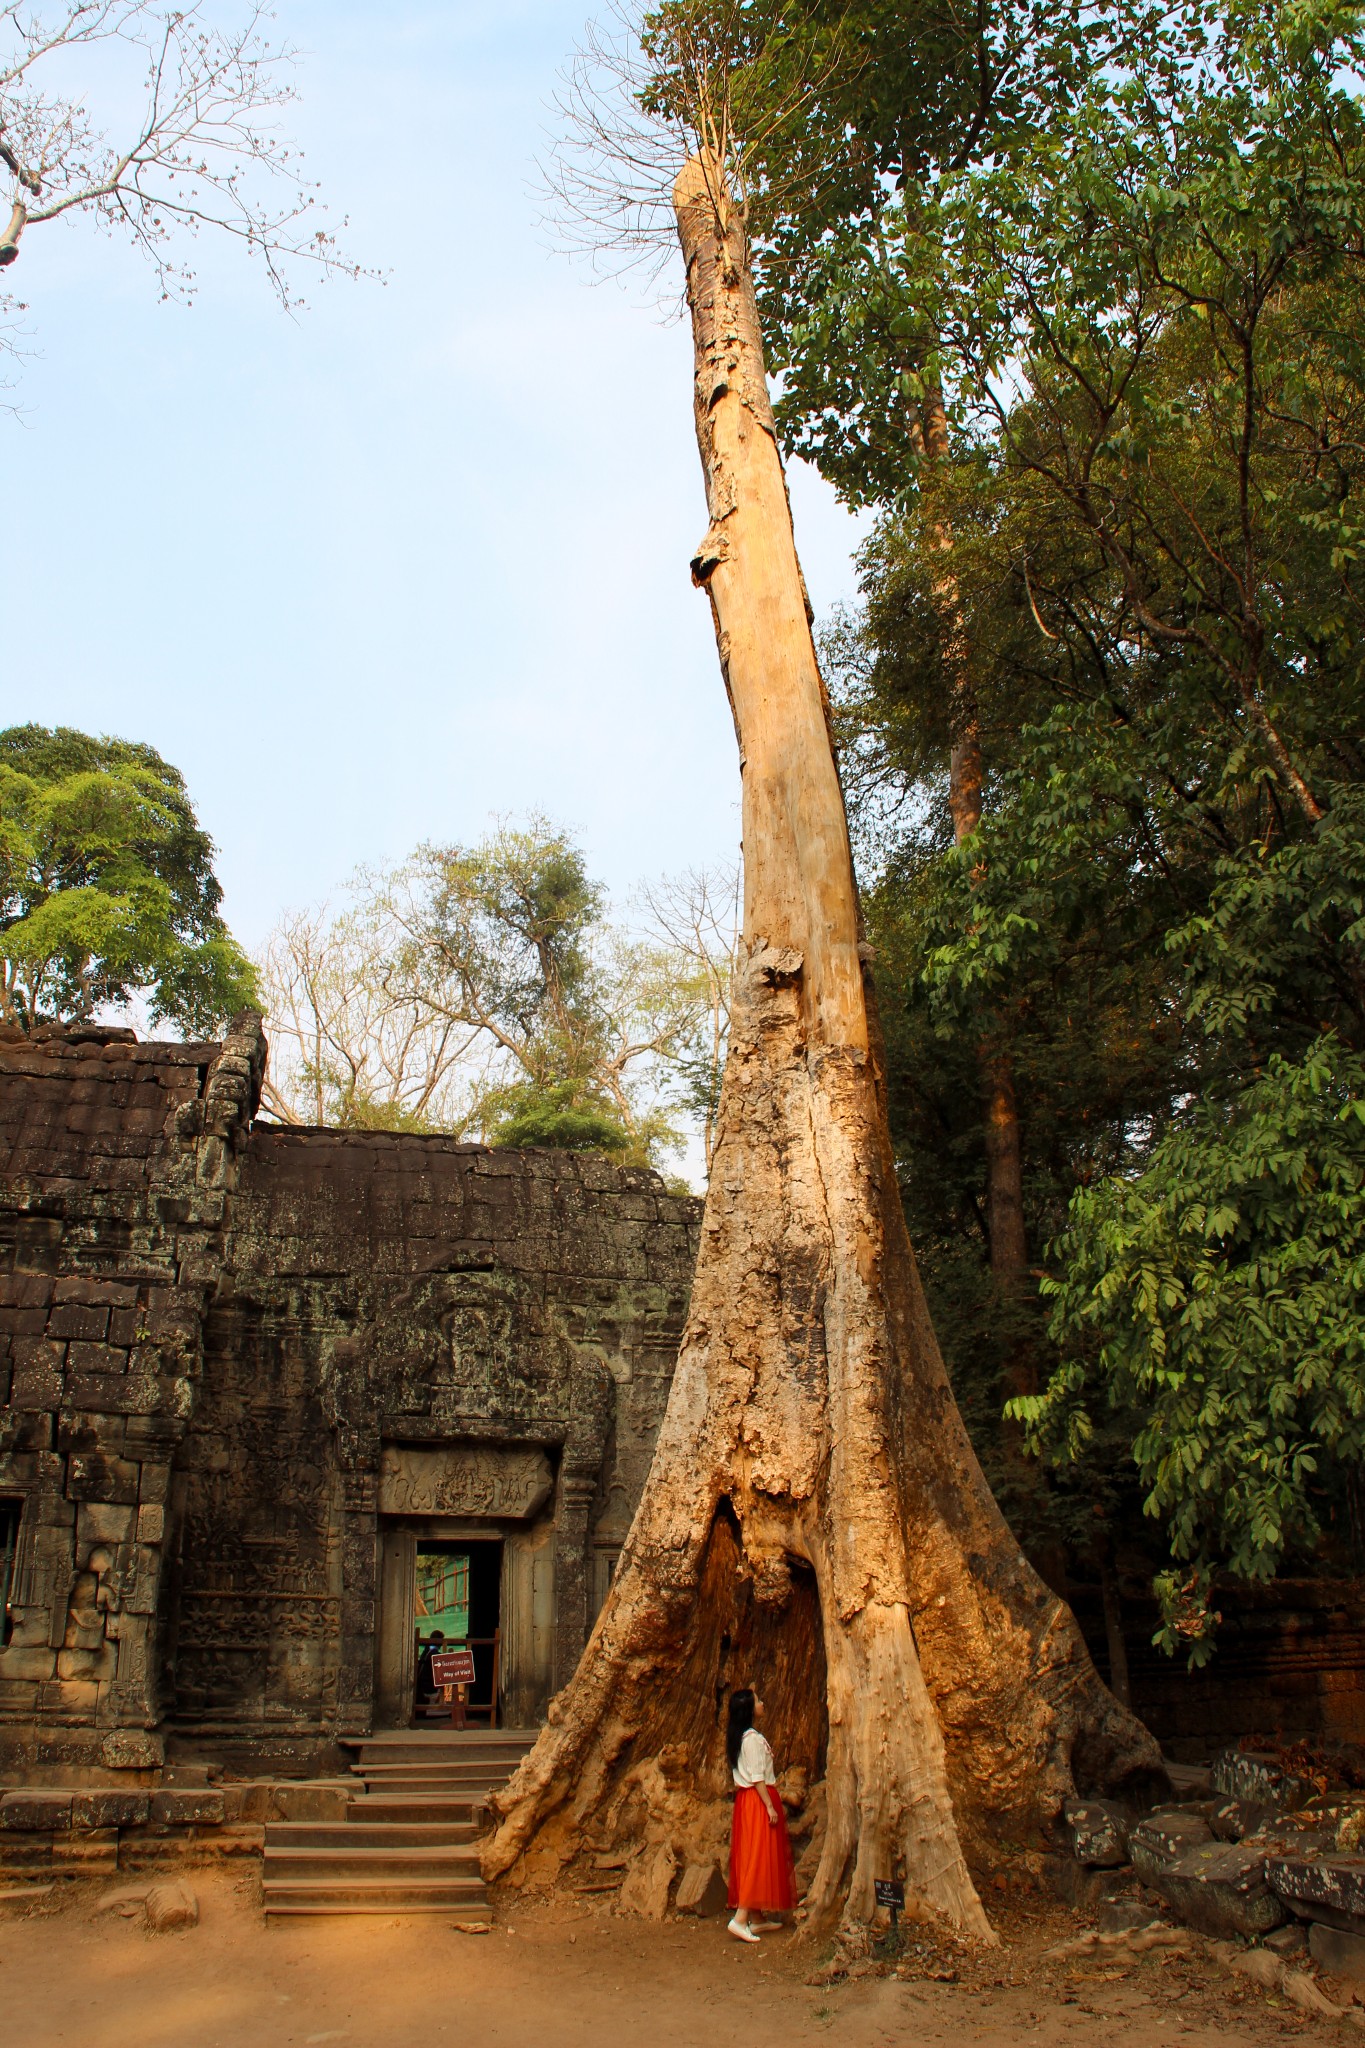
x=566 y=1977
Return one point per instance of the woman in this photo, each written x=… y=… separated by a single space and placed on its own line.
x=761 y=1876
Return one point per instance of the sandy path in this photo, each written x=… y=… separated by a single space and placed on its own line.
x=74 y=1978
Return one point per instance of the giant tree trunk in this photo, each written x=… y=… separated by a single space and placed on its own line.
x=814 y=1522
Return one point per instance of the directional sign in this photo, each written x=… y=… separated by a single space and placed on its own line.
x=452 y=1667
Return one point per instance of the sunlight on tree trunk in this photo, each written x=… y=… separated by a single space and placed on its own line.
x=815 y=1522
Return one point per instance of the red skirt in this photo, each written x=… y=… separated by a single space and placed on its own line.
x=761 y=1875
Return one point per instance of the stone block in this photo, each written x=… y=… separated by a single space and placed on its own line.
x=124 y=1327
x=1098 y=1833
x=35 y=1663
x=1156 y=1842
x=27 y=1812
x=105 y=1522
x=1327 y=1888
x=151 y=1522
x=132 y=1749
x=154 y=1483
x=1259 y=1776
x=39 y=1384
x=191 y=1807
x=170 y=1904
x=702 y=1890
x=86 y=1325
x=648 y=1882
x=94 y=1476
x=78 y=1287
x=1221 y=1890
x=99 y=1360
x=109 y=1809
x=1338 y=1951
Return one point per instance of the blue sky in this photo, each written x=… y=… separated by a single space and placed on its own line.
x=414 y=558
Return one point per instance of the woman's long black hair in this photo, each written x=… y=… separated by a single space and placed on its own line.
x=740 y=1721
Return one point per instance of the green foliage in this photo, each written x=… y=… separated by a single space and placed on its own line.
x=107 y=886
x=561 y=1114
x=1218 y=1297
x=1125 y=247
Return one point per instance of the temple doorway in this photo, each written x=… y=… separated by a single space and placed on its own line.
x=457 y=1602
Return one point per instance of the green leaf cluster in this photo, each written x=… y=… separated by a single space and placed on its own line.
x=107 y=889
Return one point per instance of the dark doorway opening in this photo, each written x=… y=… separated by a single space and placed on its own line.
x=458 y=1600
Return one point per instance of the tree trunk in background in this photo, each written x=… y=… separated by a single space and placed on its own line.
x=1004 y=1154
x=814 y=1522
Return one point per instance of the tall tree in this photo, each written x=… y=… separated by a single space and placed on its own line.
x=814 y=1522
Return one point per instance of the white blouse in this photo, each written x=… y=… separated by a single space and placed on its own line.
x=755 y=1765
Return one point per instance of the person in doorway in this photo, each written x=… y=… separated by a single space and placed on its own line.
x=427 y=1688
x=761 y=1876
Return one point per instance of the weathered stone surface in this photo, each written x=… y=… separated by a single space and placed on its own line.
x=1098 y=1833
x=1156 y=1842
x=1260 y=1777
x=132 y=1749
x=1221 y=1889
x=187 y=1808
x=171 y=1904
x=1340 y=1953
x=701 y=1890
x=101 y=1809
x=303 y=1326
x=1328 y=1888
x=648 y=1882
x=27 y=1812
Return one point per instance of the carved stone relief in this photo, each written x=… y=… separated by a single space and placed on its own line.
x=470 y=1479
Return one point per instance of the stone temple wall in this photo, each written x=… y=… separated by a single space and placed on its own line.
x=236 y=1361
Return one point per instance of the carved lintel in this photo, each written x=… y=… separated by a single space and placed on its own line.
x=512 y=1481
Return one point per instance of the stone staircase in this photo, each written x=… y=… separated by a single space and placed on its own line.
x=408 y=1843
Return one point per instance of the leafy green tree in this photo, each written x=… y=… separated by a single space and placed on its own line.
x=107 y=889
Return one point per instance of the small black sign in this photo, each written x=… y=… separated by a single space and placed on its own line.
x=889 y=1893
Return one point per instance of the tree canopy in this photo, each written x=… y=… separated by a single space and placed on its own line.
x=107 y=889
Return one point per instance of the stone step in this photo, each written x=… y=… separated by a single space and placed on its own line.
x=464 y=1896
x=475 y=1786
x=339 y=1834
x=361 y=1864
x=438 y=1767
x=454 y=1748
x=467 y=1915
x=383 y=1810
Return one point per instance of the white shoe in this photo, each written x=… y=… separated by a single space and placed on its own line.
x=740 y=1932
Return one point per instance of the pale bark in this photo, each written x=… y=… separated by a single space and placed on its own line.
x=815 y=1522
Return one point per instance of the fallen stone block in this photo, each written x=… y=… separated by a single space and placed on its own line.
x=1233 y=1819
x=1220 y=1888
x=171 y=1904
x=1327 y=1888
x=1339 y=1952
x=1259 y=1776
x=49 y=1812
x=1156 y=1842
x=1098 y=1833
x=188 y=1808
x=648 y=1881
x=702 y=1890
